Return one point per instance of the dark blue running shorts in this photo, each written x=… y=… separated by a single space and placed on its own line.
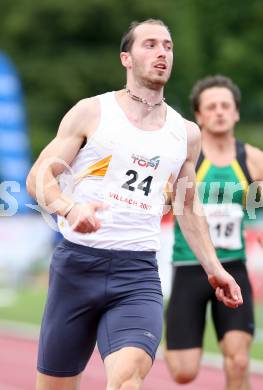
x=110 y=297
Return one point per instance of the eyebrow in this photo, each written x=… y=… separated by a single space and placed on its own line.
x=156 y=39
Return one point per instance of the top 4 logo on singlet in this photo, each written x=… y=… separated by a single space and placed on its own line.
x=145 y=162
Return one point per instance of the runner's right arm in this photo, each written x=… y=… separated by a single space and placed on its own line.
x=77 y=125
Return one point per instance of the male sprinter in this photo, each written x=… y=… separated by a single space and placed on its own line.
x=225 y=169
x=121 y=148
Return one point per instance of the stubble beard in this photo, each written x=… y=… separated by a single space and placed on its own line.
x=151 y=82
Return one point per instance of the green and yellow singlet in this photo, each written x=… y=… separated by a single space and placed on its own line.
x=222 y=190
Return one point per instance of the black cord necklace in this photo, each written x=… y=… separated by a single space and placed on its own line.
x=150 y=106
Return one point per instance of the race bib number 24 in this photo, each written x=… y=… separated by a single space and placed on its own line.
x=134 y=181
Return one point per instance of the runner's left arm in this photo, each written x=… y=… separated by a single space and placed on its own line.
x=255 y=167
x=189 y=214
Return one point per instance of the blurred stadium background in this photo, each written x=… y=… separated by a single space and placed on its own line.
x=65 y=50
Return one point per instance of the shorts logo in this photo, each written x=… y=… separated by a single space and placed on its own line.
x=146 y=162
x=150 y=335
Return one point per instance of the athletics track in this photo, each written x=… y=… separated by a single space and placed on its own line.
x=17 y=371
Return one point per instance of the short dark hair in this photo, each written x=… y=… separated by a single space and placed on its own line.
x=128 y=37
x=210 y=82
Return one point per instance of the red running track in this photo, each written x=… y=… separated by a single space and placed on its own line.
x=17 y=371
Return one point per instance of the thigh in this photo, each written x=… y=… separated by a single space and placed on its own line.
x=187 y=308
x=242 y=318
x=135 y=321
x=134 y=312
x=129 y=365
x=70 y=320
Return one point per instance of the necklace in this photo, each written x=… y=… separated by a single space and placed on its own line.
x=150 y=106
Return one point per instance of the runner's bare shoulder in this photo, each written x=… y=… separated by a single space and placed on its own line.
x=255 y=162
x=82 y=119
x=193 y=139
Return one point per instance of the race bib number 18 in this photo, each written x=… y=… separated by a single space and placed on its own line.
x=224 y=222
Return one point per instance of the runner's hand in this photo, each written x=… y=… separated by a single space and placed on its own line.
x=226 y=289
x=82 y=217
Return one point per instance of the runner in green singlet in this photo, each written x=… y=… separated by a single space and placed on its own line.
x=224 y=171
x=227 y=231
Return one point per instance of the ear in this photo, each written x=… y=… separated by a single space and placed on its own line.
x=237 y=116
x=198 y=118
x=126 y=59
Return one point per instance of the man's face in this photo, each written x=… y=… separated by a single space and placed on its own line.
x=151 y=56
x=217 y=110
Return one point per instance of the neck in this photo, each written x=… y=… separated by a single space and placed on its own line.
x=152 y=94
x=138 y=113
x=150 y=105
x=220 y=141
x=218 y=148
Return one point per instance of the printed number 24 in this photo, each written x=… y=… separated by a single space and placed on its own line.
x=144 y=185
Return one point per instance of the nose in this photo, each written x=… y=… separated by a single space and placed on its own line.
x=219 y=110
x=161 y=53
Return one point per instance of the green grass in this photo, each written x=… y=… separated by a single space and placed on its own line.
x=28 y=306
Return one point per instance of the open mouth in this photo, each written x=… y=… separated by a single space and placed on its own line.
x=161 y=66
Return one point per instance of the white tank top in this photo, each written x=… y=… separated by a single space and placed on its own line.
x=127 y=168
